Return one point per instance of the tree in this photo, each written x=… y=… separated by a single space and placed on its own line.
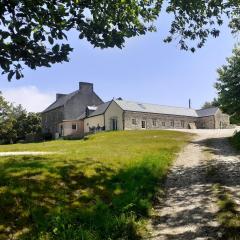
x=33 y=33
x=7 y=121
x=16 y=124
x=228 y=85
x=214 y=103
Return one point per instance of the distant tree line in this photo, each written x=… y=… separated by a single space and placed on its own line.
x=16 y=124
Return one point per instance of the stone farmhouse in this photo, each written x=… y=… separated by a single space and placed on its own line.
x=83 y=112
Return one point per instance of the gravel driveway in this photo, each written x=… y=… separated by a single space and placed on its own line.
x=189 y=208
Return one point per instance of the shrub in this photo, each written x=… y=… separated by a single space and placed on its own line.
x=236 y=140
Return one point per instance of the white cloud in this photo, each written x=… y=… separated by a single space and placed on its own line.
x=30 y=97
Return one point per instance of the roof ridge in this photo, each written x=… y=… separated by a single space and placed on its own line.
x=206 y=108
x=156 y=104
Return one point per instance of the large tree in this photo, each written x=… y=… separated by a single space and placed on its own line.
x=33 y=33
x=228 y=84
x=16 y=123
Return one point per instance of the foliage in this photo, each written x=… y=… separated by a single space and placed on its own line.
x=228 y=84
x=101 y=188
x=235 y=119
x=16 y=123
x=214 y=103
x=236 y=140
x=34 y=33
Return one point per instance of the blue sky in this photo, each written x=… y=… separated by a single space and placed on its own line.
x=146 y=70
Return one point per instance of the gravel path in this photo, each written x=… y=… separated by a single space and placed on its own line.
x=189 y=208
x=6 y=154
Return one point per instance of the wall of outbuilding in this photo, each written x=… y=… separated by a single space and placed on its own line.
x=221 y=120
x=114 y=111
x=163 y=121
x=67 y=128
x=206 y=122
x=93 y=122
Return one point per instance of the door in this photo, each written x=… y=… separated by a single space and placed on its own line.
x=143 y=124
x=114 y=124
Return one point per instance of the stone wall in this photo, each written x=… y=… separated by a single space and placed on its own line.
x=222 y=120
x=206 y=122
x=51 y=120
x=156 y=121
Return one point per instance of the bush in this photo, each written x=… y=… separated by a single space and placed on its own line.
x=236 y=140
x=47 y=136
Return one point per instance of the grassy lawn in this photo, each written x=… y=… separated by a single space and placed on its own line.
x=93 y=189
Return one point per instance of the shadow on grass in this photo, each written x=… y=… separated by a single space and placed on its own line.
x=46 y=198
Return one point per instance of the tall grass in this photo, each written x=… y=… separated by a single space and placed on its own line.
x=101 y=188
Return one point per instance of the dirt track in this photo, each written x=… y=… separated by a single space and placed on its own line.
x=189 y=208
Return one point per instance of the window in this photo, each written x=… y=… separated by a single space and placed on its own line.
x=143 y=124
x=172 y=123
x=74 y=126
x=154 y=122
x=182 y=124
x=134 y=121
x=163 y=124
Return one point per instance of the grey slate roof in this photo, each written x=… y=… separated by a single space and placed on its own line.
x=100 y=109
x=61 y=101
x=154 y=108
x=207 y=112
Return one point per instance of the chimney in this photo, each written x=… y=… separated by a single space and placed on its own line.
x=85 y=87
x=189 y=103
x=59 y=95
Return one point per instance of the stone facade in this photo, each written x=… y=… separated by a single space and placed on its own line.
x=51 y=120
x=133 y=121
x=207 y=122
x=221 y=120
x=69 y=107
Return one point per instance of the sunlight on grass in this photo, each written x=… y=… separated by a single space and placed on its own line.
x=228 y=214
x=94 y=189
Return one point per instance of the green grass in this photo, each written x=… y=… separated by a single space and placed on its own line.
x=100 y=188
x=228 y=215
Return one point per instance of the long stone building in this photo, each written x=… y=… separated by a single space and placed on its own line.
x=83 y=112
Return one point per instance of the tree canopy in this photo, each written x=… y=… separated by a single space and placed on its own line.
x=211 y=104
x=16 y=123
x=228 y=84
x=33 y=33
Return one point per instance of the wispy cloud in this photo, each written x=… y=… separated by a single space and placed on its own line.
x=30 y=97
